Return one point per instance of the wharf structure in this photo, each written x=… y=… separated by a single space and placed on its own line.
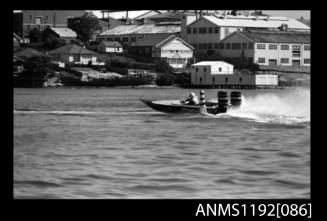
x=221 y=74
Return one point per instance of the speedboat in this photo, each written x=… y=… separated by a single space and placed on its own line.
x=177 y=106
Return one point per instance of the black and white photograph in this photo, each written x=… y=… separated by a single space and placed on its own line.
x=161 y=104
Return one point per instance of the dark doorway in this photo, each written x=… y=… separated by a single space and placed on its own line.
x=296 y=63
x=272 y=62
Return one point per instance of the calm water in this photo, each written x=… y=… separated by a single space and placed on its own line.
x=105 y=143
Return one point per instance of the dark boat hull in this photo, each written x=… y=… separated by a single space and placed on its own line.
x=183 y=109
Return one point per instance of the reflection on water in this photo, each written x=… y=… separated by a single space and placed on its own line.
x=105 y=143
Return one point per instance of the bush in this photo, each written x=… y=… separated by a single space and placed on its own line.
x=163 y=67
x=183 y=79
x=165 y=79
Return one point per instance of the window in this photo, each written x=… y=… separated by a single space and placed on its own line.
x=205 y=69
x=202 y=30
x=307 y=47
x=195 y=30
x=216 y=30
x=125 y=39
x=209 y=45
x=221 y=45
x=210 y=30
x=219 y=69
x=284 y=61
x=250 y=46
x=296 y=52
x=215 y=45
x=227 y=45
x=117 y=39
x=241 y=79
x=189 y=31
x=296 y=47
x=31 y=17
x=261 y=46
x=200 y=79
x=244 y=45
x=213 y=80
x=38 y=20
x=109 y=39
x=306 y=61
x=203 y=46
x=261 y=60
x=273 y=47
x=197 y=69
x=236 y=45
x=226 y=79
x=284 y=47
x=250 y=60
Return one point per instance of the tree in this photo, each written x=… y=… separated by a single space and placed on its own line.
x=84 y=26
x=35 y=35
x=51 y=41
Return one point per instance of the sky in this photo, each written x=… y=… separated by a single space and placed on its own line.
x=283 y=13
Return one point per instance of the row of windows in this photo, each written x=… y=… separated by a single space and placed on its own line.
x=283 y=47
x=226 y=79
x=123 y=39
x=177 y=51
x=203 y=30
x=283 y=60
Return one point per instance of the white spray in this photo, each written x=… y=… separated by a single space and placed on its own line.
x=288 y=108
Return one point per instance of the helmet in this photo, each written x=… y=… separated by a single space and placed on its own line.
x=192 y=95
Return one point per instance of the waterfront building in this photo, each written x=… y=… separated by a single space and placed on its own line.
x=74 y=54
x=273 y=48
x=172 y=49
x=128 y=34
x=110 y=47
x=206 y=32
x=220 y=73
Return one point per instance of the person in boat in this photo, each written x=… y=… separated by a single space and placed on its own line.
x=191 y=100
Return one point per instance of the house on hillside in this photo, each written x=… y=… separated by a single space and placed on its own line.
x=63 y=33
x=74 y=54
x=273 y=48
x=172 y=49
x=110 y=47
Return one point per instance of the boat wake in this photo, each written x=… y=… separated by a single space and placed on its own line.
x=291 y=108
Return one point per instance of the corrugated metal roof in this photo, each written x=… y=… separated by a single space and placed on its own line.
x=278 y=37
x=111 y=43
x=151 y=40
x=64 y=32
x=210 y=63
x=142 y=29
x=255 y=22
x=28 y=52
x=159 y=41
x=72 y=49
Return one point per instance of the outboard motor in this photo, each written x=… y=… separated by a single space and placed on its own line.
x=235 y=98
x=222 y=101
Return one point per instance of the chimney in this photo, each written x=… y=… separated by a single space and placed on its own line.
x=284 y=27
